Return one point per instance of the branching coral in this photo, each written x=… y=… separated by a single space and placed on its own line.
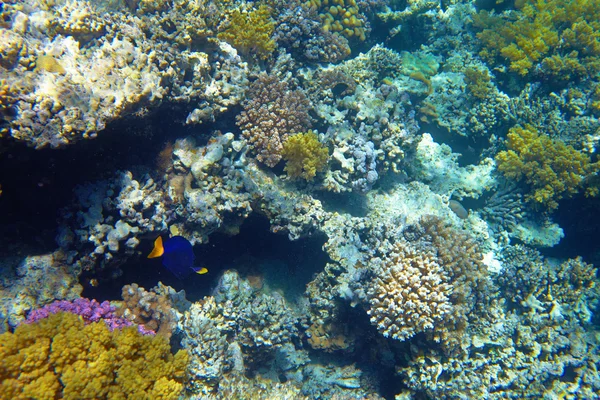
x=552 y=169
x=409 y=295
x=250 y=31
x=561 y=36
x=61 y=357
x=272 y=112
x=305 y=155
x=460 y=258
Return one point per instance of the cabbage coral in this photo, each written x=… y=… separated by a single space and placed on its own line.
x=61 y=357
x=552 y=169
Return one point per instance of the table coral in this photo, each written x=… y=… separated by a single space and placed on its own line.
x=60 y=356
x=552 y=169
x=304 y=156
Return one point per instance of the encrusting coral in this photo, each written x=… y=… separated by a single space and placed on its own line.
x=305 y=155
x=552 y=169
x=61 y=357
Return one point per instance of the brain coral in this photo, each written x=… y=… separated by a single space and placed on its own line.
x=409 y=294
x=61 y=357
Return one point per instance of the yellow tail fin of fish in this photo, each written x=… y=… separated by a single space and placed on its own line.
x=158 y=249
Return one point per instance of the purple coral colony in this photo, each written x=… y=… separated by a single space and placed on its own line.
x=382 y=199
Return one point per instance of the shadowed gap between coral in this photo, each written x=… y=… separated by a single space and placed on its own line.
x=36 y=184
x=580 y=221
x=266 y=258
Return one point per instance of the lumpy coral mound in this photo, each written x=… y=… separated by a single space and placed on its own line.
x=410 y=295
x=61 y=357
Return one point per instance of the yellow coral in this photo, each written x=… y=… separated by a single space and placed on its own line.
x=564 y=36
x=305 y=155
x=61 y=357
x=341 y=16
x=553 y=169
x=250 y=31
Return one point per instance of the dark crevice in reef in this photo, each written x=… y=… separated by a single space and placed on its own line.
x=257 y=253
x=36 y=184
x=580 y=221
x=351 y=203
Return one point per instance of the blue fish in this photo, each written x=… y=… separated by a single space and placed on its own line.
x=178 y=256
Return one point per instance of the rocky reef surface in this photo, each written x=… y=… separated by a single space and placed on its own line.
x=393 y=199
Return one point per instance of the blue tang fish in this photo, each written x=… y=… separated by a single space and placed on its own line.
x=177 y=255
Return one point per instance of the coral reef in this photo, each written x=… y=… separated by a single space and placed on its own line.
x=60 y=356
x=89 y=310
x=416 y=219
x=151 y=309
x=561 y=38
x=272 y=112
x=304 y=155
x=552 y=169
x=409 y=294
x=250 y=31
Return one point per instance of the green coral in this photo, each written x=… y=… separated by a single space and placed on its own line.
x=552 y=169
x=250 y=31
x=61 y=357
x=562 y=36
x=305 y=155
x=478 y=83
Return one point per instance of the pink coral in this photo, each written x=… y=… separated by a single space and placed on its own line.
x=89 y=310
